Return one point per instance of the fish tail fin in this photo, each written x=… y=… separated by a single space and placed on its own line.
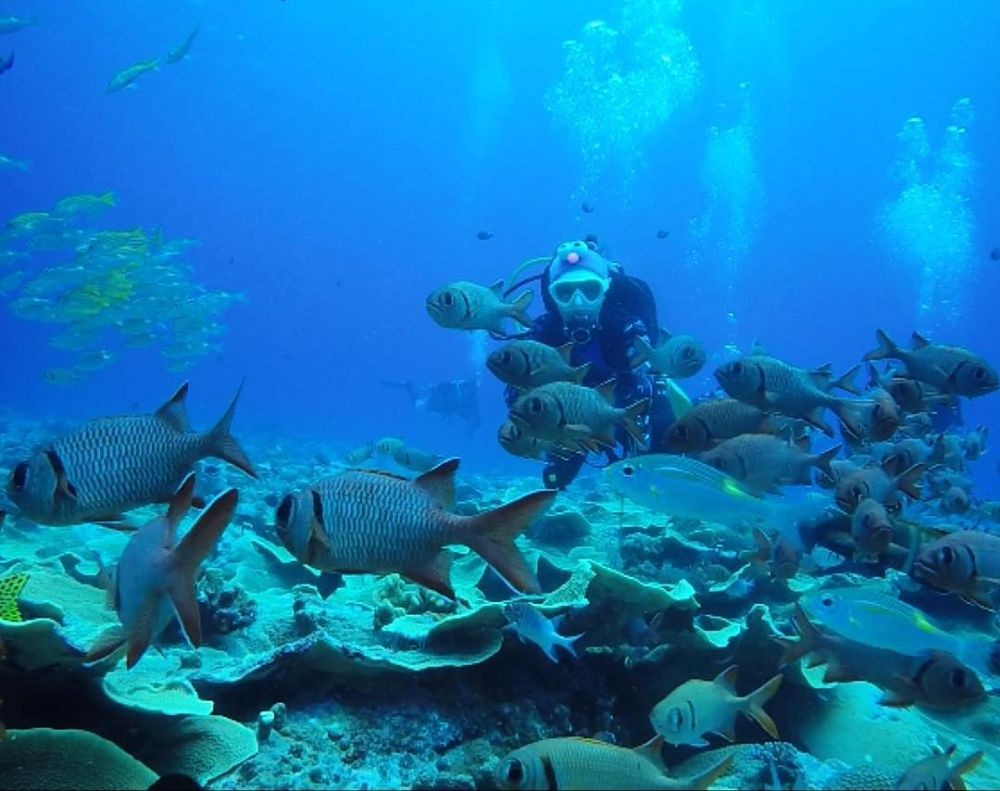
x=109 y=199
x=815 y=419
x=188 y=556
x=846 y=381
x=10 y=589
x=955 y=779
x=709 y=776
x=518 y=307
x=566 y=642
x=808 y=642
x=224 y=445
x=580 y=373
x=909 y=482
x=873 y=377
x=887 y=348
x=629 y=420
x=823 y=460
x=492 y=534
x=756 y=701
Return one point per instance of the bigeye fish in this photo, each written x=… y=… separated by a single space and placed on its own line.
x=974 y=443
x=776 y=386
x=368 y=522
x=763 y=462
x=698 y=707
x=951 y=369
x=871 y=531
x=936 y=771
x=711 y=422
x=875 y=421
x=571 y=415
x=687 y=488
x=180 y=52
x=530 y=625
x=907 y=675
x=154 y=579
x=127 y=77
x=677 y=356
x=518 y=442
x=966 y=563
x=572 y=762
x=877 y=483
x=468 y=306
x=112 y=465
x=526 y=364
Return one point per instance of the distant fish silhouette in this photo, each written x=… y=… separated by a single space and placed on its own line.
x=6 y=64
x=484 y=235
x=661 y=234
x=994 y=253
x=586 y=208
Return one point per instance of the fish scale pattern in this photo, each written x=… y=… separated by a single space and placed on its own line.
x=380 y=522
x=124 y=462
x=10 y=589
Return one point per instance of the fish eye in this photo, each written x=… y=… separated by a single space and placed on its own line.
x=947 y=556
x=505 y=357
x=676 y=718
x=688 y=352
x=737 y=368
x=978 y=373
x=535 y=406
x=284 y=513
x=957 y=677
x=447 y=299
x=869 y=522
x=827 y=601
x=19 y=476
x=682 y=431
x=513 y=772
x=628 y=470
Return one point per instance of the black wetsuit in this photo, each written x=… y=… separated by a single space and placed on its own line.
x=629 y=311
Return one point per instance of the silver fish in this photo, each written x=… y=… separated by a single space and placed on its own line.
x=368 y=522
x=531 y=625
x=111 y=465
x=154 y=578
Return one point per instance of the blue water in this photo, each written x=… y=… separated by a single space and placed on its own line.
x=336 y=162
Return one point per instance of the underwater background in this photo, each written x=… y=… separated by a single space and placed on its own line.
x=793 y=174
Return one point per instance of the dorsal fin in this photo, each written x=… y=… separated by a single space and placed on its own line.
x=727 y=679
x=497 y=288
x=174 y=412
x=566 y=352
x=606 y=390
x=919 y=341
x=439 y=482
x=180 y=504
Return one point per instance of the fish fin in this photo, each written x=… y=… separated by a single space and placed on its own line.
x=64 y=487
x=439 y=483
x=700 y=742
x=955 y=779
x=606 y=390
x=492 y=534
x=566 y=352
x=755 y=705
x=108 y=641
x=188 y=556
x=114 y=522
x=909 y=481
x=823 y=459
x=845 y=381
x=652 y=751
x=180 y=504
x=566 y=643
x=497 y=288
x=809 y=640
x=10 y=589
x=815 y=418
x=141 y=634
x=223 y=445
x=518 y=307
x=919 y=341
x=873 y=377
x=434 y=573
x=580 y=373
x=641 y=351
x=709 y=776
x=727 y=679
x=174 y=411
x=550 y=651
x=977 y=598
x=629 y=420
x=578 y=431
x=680 y=402
x=836 y=673
x=887 y=348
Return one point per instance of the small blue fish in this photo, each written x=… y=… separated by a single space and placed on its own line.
x=531 y=625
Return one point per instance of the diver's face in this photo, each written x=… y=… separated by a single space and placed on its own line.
x=579 y=298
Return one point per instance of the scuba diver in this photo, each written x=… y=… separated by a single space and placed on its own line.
x=457 y=398
x=592 y=302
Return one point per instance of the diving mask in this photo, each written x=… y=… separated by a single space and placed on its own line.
x=579 y=293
